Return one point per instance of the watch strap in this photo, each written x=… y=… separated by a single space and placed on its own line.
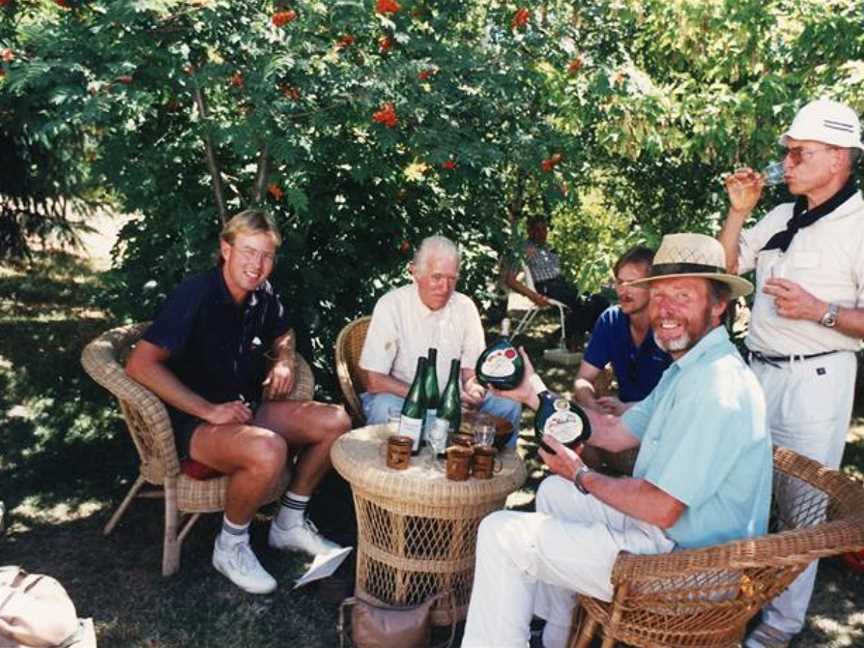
x=577 y=479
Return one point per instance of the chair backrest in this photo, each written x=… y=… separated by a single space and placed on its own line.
x=352 y=380
x=144 y=413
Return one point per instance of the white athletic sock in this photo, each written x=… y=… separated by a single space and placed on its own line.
x=292 y=510
x=232 y=533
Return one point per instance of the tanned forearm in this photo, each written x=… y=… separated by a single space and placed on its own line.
x=285 y=349
x=583 y=393
x=378 y=383
x=729 y=236
x=146 y=366
x=637 y=498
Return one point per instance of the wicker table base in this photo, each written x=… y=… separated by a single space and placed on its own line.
x=416 y=529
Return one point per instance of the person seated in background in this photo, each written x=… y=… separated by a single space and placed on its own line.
x=545 y=268
x=702 y=474
x=205 y=356
x=622 y=336
x=426 y=313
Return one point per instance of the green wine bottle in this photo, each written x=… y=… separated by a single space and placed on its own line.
x=450 y=408
x=500 y=365
x=558 y=417
x=414 y=408
x=430 y=391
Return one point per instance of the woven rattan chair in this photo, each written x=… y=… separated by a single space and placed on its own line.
x=148 y=423
x=352 y=381
x=704 y=597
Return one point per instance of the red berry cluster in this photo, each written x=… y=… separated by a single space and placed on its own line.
x=386 y=115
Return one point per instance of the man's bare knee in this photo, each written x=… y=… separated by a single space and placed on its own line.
x=269 y=452
x=340 y=423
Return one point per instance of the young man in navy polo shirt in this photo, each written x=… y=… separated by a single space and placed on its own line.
x=204 y=355
x=623 y=336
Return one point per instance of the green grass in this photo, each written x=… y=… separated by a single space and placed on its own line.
x=67 y=460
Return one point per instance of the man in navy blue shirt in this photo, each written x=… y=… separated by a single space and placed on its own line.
x=623 y=336
x=206 y=356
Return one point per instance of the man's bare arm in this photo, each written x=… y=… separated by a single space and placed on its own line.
x=146 y=365
x=509 y=278
x=744 y=188
x=280 y=379
x=583 y=386
x=635 y=497
x=379 y=383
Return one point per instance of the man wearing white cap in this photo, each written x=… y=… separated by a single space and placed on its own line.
x=702 y=474
x=808 y=311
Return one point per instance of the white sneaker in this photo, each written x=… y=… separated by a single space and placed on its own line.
x=302 y=537
x=240 y=565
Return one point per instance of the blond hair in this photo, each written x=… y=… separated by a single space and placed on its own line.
x=250 y=221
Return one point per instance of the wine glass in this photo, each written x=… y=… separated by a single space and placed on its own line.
x=437 y=435
x=774 y=174
x=484 y=430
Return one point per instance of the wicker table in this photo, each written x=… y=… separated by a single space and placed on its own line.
x=416 y=529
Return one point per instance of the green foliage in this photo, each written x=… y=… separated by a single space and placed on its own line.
x=364 y=132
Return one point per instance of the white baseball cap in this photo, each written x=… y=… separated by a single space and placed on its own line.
x=826 y=121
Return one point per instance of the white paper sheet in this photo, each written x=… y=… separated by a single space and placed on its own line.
x=323 y=566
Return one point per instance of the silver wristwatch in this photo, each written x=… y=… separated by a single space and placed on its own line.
x=829 y=319
x=577 y=479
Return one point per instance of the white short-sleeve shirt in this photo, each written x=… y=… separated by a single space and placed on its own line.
x=403 y=328
x=826 y=259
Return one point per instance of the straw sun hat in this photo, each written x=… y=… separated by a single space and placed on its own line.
x=694 y=255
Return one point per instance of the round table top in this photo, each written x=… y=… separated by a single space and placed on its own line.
x=359 y=456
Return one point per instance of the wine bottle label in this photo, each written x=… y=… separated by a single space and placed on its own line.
x=500 y=363
x=411 y=427
x=563 y=424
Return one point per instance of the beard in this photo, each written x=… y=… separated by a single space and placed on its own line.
x=693 y=332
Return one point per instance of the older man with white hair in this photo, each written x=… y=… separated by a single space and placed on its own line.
x=808 y=312
x=426 y=313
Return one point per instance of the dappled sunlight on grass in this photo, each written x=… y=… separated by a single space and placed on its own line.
x=67 y=460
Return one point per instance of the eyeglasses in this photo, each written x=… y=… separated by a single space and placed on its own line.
x=797 y=153
x=248 y=254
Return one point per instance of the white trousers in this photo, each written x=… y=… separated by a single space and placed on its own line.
x=535 y=563
x=809 y=407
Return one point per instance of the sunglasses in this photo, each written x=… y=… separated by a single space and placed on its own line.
x=798 y=153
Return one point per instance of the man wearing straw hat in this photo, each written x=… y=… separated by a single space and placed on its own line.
x=807 y=319
x=702 y=474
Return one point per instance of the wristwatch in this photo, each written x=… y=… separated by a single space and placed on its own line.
x=577 y=479
x=829 y=319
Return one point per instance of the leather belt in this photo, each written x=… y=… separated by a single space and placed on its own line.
x=774 y=360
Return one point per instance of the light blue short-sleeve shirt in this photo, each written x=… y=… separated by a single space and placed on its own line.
x=704 y=442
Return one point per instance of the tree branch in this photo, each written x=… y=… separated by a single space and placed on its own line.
x=262 y=173
x=212 y=162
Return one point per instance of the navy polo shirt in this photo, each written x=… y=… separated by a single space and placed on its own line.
x=217 y=347
x=637 y=370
